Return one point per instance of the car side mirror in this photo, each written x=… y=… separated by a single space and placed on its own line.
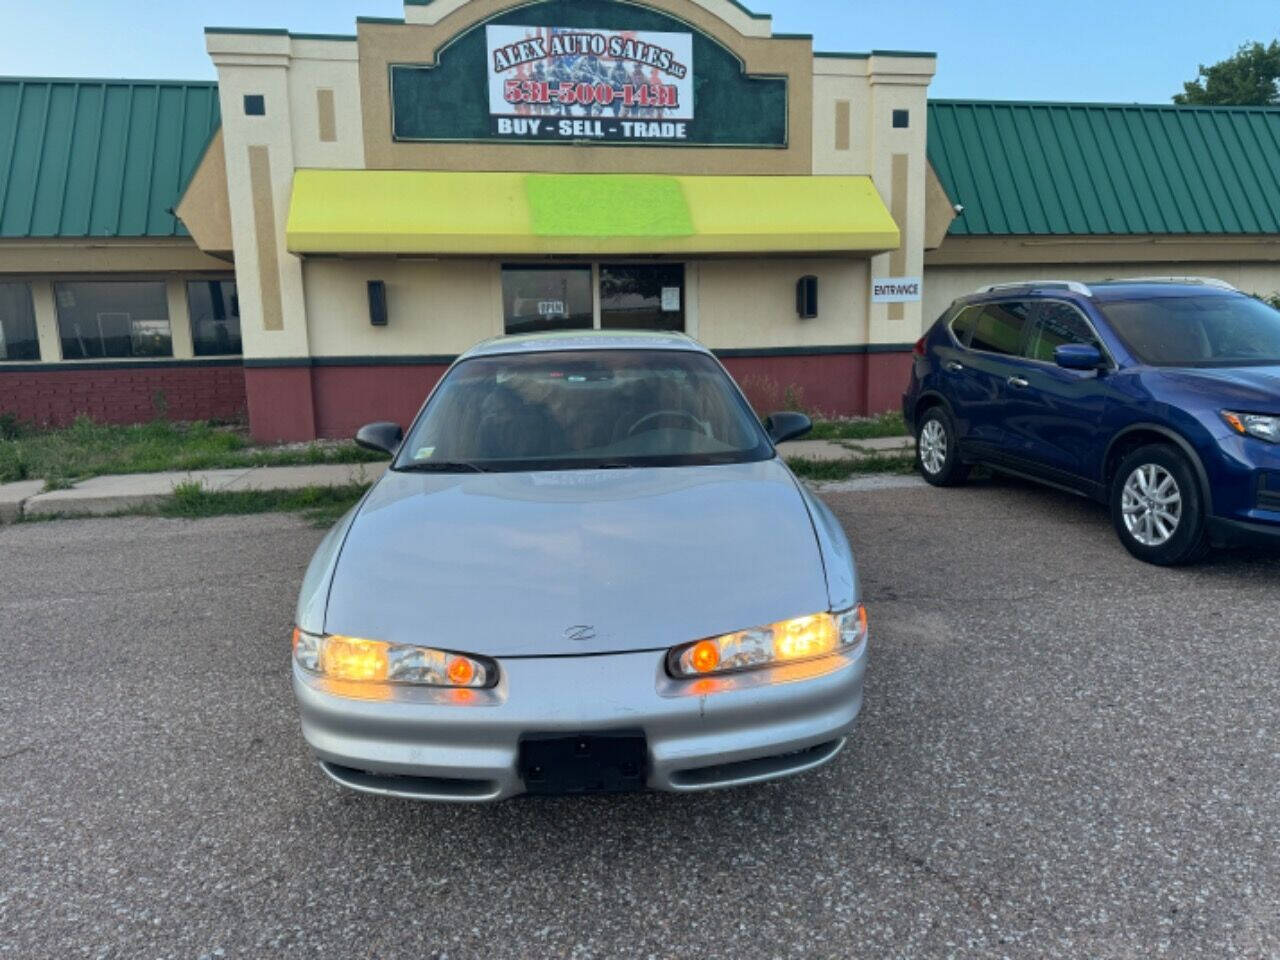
x=383 y=436
x=1078 y=356
x=782 y=427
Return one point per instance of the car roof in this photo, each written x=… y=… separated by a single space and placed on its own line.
x=584 y=340
x=1143 y=289
x=1138 y=288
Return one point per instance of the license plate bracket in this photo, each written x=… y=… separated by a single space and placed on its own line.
x=558 y=763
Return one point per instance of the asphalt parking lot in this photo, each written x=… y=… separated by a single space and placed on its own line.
x=1063 y=753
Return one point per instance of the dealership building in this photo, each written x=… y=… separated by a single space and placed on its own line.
x=309 y=241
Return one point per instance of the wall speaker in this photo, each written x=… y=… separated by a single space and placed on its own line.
x=807 y=297
x=378 y=303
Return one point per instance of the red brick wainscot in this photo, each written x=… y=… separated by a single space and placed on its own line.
x=830 y=381
x=332 y=397
x=126 y=391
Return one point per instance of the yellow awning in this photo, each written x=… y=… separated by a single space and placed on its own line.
x=426 y=212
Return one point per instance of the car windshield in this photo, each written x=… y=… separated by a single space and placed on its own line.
x=584 y=410
x=1191 y=331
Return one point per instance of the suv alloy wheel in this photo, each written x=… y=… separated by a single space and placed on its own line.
x=937 y=454
x=1156 y=507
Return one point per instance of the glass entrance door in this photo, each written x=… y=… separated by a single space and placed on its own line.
x=646 y=296
x=546 y=297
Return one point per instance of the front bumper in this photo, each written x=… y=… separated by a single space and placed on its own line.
x=1242 y=533
x=1245 y=485
x=463 y=746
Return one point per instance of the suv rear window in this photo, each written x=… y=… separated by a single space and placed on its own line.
x=963 y=324
x=1000 y=327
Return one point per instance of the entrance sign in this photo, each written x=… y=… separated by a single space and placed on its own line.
x=596 y=71
x=560 y=83
x=895 y=290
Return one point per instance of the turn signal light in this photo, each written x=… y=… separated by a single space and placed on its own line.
x=461 y=671
x=704 y=657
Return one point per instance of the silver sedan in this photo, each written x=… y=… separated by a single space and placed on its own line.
x=586 y=570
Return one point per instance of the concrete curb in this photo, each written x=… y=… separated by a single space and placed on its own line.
x=14 y=495
x=115 y=494
x=829 y=450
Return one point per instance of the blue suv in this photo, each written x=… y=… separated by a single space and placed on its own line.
x=1158 y=396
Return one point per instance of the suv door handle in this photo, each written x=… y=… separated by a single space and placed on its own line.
x=954 y=366
x=1018 y=382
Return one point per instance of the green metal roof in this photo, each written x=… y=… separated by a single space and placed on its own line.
x=1084 y=169
x=99 y=158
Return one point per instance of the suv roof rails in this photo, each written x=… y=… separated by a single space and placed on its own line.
x=1203 y=281
x=1073 y=285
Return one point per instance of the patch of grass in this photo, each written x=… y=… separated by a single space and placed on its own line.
x=321 y=505
x=11 y=428
x=88 y=449
x=853 y=466
x=862 y=428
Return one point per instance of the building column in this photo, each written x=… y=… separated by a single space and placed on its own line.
x=897 y=116
x=253 y=87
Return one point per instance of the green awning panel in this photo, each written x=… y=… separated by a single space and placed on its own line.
x=99 y=158
x=1081 y=169
x=425 y=212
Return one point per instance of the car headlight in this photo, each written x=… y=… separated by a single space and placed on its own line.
x=801 y=638
x=1254 y=425
x=355 y=659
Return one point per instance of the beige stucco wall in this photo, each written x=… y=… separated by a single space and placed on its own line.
x=752 y=302
x=944 y=284
x=443 y=307
x=438 y=307
x=325 y=65
x=149 y=255
x=836 y=80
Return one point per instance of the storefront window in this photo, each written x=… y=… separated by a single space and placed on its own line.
x=215 y=317
x=17 y=323
x=546 y=298
x=113 y=318
x=642 y=296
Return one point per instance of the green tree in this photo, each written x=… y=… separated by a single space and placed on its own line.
x=1250 y=78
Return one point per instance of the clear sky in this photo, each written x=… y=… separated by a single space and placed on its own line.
x=1102 y=50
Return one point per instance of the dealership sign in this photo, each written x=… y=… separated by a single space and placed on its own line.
x=557 y=83
x=587 y=71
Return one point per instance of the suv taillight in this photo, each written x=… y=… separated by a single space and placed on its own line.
x=918 y=349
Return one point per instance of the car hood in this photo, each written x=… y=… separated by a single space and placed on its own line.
x=576 y=562
x=1250 y=389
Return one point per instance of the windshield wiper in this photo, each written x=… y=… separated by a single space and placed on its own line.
x=441 y=466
